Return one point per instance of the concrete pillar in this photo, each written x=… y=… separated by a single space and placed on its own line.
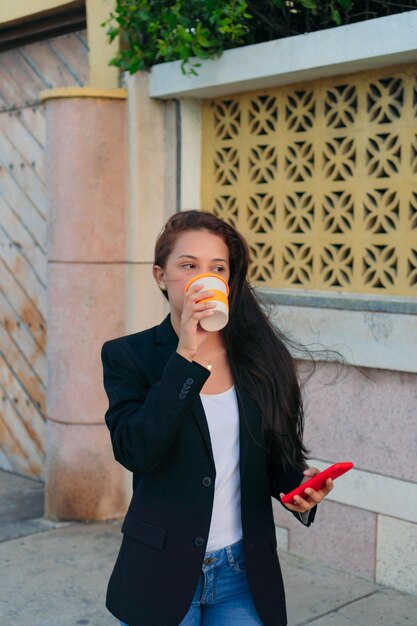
x=152 y=192
x=86 y=247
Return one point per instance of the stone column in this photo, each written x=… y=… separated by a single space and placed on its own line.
x=152 y=191
x=86 y=247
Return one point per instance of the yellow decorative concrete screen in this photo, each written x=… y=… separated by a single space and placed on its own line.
x=321 y=179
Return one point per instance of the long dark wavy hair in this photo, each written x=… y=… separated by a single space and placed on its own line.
x=257 y=350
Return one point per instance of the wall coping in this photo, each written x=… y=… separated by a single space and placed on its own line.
x=383 y=41
x=82 y=92
x=406 y=305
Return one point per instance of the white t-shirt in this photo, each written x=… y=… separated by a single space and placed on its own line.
x=222 y=413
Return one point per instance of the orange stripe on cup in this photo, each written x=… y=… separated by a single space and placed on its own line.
x=218 y=295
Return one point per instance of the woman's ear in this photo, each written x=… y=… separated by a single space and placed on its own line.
x=158 y=274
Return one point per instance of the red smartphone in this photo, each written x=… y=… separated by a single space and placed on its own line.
x=318 y=481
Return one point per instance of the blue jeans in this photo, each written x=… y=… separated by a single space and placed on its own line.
x=222 y=596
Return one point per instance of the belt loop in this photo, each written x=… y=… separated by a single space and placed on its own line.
x=230 y=555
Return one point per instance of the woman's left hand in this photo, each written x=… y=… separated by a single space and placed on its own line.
x=314 y=497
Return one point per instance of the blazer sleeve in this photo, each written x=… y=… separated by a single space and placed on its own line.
x=145 y=418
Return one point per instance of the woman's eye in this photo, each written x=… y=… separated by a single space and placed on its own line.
x=189 y=265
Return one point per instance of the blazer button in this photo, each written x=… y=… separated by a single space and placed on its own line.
x=199 y=541
x=182 y=396
x=206 y=481
x=189 y=381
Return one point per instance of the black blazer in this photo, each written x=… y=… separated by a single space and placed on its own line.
x=159 y=432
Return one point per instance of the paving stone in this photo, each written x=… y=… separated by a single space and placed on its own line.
x=22 y=505
x=384 y=607
x=23 y=528
x=334 y=619
x=11 y=483
x=387 y=608
x=59 y=577
x=314 y=589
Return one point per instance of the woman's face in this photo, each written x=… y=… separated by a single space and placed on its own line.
x=195 y=252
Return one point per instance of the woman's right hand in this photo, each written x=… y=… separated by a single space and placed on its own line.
x=192 y=334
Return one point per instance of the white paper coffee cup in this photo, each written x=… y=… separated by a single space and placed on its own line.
x=216 y=283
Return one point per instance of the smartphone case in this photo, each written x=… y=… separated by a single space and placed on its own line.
x=318 y=481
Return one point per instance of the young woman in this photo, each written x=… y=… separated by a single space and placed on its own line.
x=210 y=424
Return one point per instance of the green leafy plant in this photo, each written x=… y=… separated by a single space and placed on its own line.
x=155 y=31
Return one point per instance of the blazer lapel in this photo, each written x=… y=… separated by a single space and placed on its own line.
x=249 y=414
x=166 y=343
x=166 y=338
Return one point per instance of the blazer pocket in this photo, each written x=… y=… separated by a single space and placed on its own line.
x=144 y=531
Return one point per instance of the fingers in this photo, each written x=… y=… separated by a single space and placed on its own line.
x=311 y=471
x=312 y=496
x=329 y=486
x=196 y=294
x=301 y=505
x=196 y=306
x=193 y=311
x=305 y=504
x=317 y=496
